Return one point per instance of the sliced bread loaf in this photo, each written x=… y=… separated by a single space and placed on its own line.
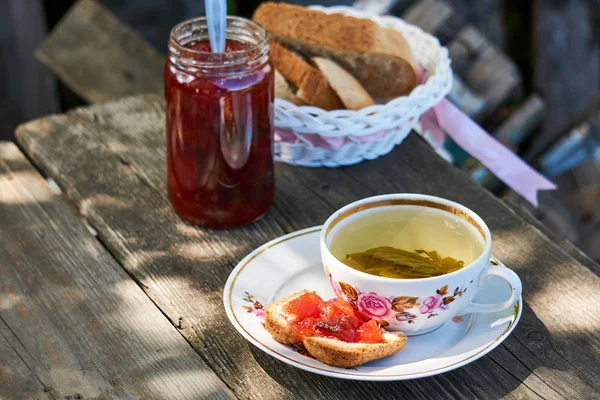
x=351 y=92
x=312 y=86
x=380 y=58
x=283 y=90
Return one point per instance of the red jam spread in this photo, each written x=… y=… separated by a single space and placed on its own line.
x=219 y=138
x=335 y=318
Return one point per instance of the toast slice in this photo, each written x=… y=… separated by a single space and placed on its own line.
x=351 y=92
x=277 y=322
x=380 y=58
x=283 y=90
x=341 y=354
x=328 y=350
x=312 y=86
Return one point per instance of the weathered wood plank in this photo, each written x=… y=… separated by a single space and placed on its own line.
x=68 y=311
x=99 y=57
x=486 y=15
x=429 y=15
x=27 y=89
x=512 y=132
x=515 y=129
x=558 y=229
x=567 y=60
x=183 y=269
x=15 y=375
x=543 y=148
x=484 y=67
x=464 y=98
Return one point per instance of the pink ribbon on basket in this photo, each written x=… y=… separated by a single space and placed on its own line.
x=446 y=118
x=506 y=165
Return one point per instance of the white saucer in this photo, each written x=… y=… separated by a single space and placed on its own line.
x=292 y=262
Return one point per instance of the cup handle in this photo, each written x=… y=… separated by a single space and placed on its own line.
x=502 y=271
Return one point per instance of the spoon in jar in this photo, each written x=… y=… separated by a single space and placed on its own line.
x=216 y=16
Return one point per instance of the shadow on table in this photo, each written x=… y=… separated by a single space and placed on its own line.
x=182 y=262
x=183 y=269
x=85 y=328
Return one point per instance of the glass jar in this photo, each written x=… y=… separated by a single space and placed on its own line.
x=219 y=124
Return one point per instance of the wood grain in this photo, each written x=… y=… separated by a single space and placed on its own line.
x=72 y=322
x=484 y=67
x=465 y=99
x=486 y=15
x=515 y=129
x=27 y=89
x=512 y=132
x=567 y=63
x=552 y=354
x=15 y=375
x=100 y=58
x=429 y=15
x=563 y=229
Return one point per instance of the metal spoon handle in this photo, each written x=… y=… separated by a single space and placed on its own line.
x=216 y=15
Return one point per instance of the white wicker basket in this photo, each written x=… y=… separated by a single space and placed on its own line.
x=312 y=137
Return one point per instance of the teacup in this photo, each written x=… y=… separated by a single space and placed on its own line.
x=415 y=306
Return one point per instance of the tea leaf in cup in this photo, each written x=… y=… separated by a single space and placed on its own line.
x=397 y=263
x=435 y=257
x=450 y=264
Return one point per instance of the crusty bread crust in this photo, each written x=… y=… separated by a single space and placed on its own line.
x=380 y=58
x=341 y=354
x=330 y=351
x=313 y=88
x=350 y=91
x=283 y=90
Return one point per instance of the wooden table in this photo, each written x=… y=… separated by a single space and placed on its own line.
x=106 y=293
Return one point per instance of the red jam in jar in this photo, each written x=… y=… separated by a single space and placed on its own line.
x=219 y=124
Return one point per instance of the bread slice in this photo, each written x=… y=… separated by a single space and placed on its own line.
x=330 y=351
x=351 y=92
x=380 y=58
x=277 y=322
x=283 y=90
x=341 y=354
x=312 y=86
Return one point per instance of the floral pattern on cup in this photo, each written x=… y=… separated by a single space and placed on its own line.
x=386 y=311
x=431 y=304
x=399 y=309
x=374 y=306
x=439 y=301
x=256 y=308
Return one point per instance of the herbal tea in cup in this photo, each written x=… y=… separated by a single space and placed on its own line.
x=409 y=242
x=411 y=262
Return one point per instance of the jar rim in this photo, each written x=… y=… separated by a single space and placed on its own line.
x=263 y=37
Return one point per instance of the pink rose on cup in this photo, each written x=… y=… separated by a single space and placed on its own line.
x=373 y=306
x=432 y=303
